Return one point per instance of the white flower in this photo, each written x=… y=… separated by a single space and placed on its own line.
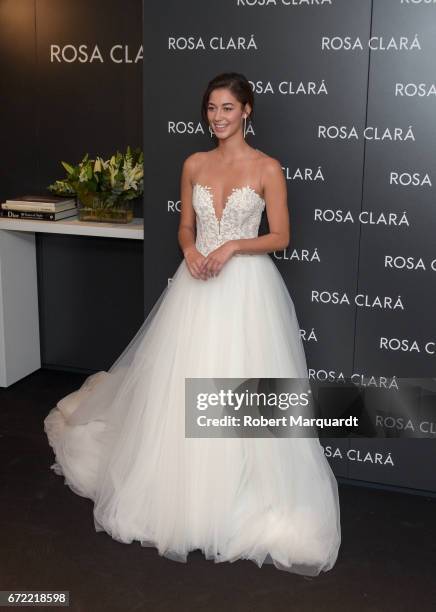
x=83 y=175
x=112 y=171
x=132 y=175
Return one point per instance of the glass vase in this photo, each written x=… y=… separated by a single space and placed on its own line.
x=99 y=208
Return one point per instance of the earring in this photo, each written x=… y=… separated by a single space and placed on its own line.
x=245 y=125
x=211 y=134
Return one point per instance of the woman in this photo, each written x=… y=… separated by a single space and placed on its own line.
x=120 y=438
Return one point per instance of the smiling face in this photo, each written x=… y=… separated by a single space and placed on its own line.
x=225 y=114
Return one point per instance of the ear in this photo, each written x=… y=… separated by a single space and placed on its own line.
x=247 y=111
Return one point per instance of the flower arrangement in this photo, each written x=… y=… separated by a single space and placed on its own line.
x=104 y=187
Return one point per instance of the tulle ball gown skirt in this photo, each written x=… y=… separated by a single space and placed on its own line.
x=120 y=438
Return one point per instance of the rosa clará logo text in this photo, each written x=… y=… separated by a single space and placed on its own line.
x=84 y=54
x=214 y=43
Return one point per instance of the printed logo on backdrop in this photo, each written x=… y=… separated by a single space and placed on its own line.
x=85 y=54
x=364 y=217
x=285 y=3
x=408 y=345
x=344 y=132
x=304 y=174
x=410 y=264
x=375 y=43
x=212 y=43
x=360 y=380
x=405 y=179
x=308 y=337
x=360 y=300
x=310 y=88
x=380 y=457
x=412 y=90
x=192 y=128
x=300 y=255
x=417 y=1
x=174 y=206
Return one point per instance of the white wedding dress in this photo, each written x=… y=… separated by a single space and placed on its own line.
x=120 y=438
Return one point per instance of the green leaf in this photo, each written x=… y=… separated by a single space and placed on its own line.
x=68 y=167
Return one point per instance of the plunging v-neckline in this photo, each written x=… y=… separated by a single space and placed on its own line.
x=227 y=199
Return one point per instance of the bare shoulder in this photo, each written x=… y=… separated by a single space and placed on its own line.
x=192 y=163
x=193 y=160
x=269 y=164
x=270 y=167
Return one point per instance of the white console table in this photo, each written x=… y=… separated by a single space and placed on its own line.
x=19 y=316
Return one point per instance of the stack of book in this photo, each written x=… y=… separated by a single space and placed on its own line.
x=39 y=208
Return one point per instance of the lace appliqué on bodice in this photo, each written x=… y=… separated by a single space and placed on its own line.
x=240 y=218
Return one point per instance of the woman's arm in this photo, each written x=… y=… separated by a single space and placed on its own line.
x=186 y=231
x=274 y=185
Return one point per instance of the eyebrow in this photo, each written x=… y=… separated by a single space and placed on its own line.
x=223 y=104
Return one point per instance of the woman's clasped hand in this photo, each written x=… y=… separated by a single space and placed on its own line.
x=204 y=267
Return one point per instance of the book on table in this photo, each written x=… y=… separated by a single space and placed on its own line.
x=35 y=215
x=39 y=207
x=40 y=203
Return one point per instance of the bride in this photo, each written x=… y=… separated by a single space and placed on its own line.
x=120 y=438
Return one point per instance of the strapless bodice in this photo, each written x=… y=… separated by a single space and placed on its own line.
x=240 y=218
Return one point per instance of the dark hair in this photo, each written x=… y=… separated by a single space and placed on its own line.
x=237 y=84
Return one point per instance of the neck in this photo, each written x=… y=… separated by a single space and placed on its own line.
x=232 y=148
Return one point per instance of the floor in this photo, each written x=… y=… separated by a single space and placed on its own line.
x=387 y=559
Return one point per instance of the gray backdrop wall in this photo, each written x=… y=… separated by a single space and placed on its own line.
x=345 y=100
